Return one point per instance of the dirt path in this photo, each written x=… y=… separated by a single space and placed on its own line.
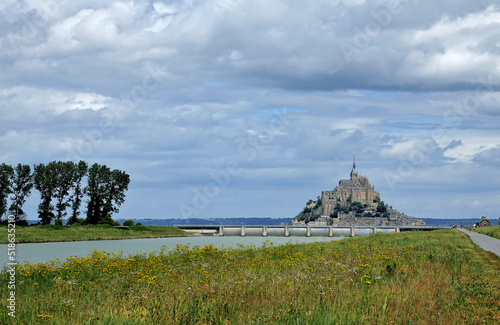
x=485 y=242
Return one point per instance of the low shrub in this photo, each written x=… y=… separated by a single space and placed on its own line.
x=128 y=222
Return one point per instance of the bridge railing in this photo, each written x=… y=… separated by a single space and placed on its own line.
x=298 y=230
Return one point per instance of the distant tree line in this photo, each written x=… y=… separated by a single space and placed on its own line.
x=61 y=186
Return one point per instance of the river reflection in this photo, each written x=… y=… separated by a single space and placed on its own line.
x=43 y=252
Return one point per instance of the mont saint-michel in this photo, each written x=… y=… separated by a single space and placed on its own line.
x=353 y=202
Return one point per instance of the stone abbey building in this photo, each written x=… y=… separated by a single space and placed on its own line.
x=358 y=188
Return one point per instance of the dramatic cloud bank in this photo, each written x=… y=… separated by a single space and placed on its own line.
x=232 y=108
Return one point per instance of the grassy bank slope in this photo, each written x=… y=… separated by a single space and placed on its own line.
x=436 y=277
x=490 y=231
x=51 y=233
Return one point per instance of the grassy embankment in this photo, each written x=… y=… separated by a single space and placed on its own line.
x=52 y=233
x=490 y=231
x=436 y=277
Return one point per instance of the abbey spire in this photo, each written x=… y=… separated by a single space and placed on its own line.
x=354 y=172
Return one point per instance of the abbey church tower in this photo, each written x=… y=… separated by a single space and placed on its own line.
x=354 y=172
x=358 y=188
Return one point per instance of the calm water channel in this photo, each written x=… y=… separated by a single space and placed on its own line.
x=43 y=252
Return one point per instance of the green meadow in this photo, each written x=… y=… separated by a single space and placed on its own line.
x=490 y=231
x=436 y=277
x=54 y=233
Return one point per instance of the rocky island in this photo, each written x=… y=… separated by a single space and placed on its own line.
x=353 y=202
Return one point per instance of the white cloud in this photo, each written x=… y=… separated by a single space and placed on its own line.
x=236 y=55
x=350 y=3
x=449 y=30
x=472 y=144
x=451 y=49
x=29 y=100
x=62 y=34
x=221 y=68
x=163 y=9
x=401 y=149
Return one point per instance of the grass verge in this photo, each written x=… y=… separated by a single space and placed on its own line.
x=490 y=231
x=52 y=233
x=436 y=277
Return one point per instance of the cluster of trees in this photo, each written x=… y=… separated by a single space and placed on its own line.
x=61 y=186
x=310 y=212
x=130 y=222
x=358 y=208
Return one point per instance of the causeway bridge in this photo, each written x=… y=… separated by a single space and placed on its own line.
x=297 y=230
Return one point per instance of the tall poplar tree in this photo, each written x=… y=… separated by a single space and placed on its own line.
x=106 y=191
x=6 y=176
x=45 y=183
x=22 y=183
x=64 y=174
x=80 y=171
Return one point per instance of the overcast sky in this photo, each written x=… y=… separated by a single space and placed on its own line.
x=249 y=108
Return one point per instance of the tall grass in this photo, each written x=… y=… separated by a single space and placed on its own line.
x=434 y=277
x=490 y=231
x=53 y=233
